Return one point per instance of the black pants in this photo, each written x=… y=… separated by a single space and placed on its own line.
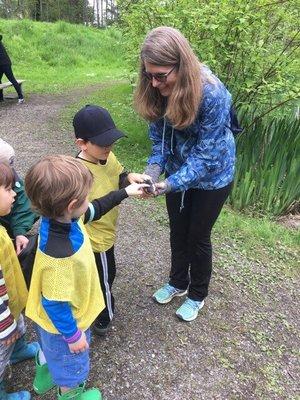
x=106 y=266
x=190 y=238
x=7 y=71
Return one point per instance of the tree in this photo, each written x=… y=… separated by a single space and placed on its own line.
x=252 y=46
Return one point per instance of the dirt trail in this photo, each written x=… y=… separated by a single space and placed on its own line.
x=245 y=343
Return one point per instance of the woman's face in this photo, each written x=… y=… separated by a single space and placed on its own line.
x=166 y=87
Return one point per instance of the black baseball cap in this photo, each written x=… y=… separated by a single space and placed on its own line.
x=94 y=123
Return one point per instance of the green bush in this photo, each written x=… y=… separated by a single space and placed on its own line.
x=252 y=46
x=268 y=168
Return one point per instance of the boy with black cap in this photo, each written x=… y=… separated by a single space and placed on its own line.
x=95 y=133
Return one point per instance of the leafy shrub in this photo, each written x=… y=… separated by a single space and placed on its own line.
x=252 y=46
x=268 y=167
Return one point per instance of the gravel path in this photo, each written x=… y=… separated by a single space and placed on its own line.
x=245 y=343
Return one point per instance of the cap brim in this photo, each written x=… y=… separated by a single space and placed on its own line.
x=107 y=138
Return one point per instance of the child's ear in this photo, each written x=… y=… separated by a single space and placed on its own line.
x=72 y=205
x=81 y=144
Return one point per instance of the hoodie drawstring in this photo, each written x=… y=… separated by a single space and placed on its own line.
x=172 y=139
x=172 y=152
x=163 y=138
x=182 y=201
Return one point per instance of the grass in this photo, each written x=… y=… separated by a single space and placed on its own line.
x=52 y=57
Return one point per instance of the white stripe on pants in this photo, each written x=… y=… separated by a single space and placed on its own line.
x=106 y=284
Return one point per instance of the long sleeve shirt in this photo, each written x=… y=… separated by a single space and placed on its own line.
x=58 y=240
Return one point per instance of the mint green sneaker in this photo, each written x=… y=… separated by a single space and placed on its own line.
x=189 y=309
x=165 y=294
x=22 y=395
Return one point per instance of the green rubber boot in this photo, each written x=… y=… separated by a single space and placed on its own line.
x=42 y=382
x=80 y=393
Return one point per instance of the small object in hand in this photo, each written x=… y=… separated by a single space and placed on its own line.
x=151 y=188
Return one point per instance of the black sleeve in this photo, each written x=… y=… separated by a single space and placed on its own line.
x=123 y=181
x=101 y=206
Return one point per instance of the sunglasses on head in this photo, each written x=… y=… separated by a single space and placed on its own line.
x=158 y=76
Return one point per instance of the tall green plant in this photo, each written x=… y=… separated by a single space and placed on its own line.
x=268 y=167
x=252 y=46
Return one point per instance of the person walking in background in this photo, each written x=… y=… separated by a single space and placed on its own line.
x=5 y=68
x=189 y=113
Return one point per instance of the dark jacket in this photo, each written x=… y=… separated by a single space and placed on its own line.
x=4 y=57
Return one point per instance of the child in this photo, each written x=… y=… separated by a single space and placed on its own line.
x=13 y=294
x=95 y=134
x=21 y=218
x=65 y=295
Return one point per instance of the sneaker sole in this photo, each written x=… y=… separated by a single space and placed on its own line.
x=170 y=298
x=189 y=319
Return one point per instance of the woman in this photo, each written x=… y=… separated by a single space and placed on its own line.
x=188 y=110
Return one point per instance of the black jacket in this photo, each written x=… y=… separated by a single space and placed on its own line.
x=4 y=57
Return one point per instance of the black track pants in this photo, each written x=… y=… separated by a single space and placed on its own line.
x=7 y=71
x=106 y=266
x=190 y=237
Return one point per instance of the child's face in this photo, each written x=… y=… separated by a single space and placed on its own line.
x=7 y=197
x=93 y=152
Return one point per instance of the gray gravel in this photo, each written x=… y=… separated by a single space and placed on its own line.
x=245 y=343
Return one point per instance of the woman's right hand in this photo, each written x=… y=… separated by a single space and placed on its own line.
x=136 y=189
x=80 y=346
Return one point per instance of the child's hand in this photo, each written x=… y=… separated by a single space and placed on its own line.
x=136 y=189
x=80 y=346
x=21 y=243
x=134 y=177
x=12 y=339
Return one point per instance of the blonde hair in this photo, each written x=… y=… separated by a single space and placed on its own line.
x=54 y=181
x=165 y=46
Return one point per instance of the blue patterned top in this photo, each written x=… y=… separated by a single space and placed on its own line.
x=201 y=156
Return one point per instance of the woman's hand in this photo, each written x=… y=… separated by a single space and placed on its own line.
x=134 y=177
x=162 y=188
x=80 y=346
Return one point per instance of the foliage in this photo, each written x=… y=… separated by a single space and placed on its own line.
x=101 y=13
x=268 y=167
x=51 y=57
x=76 y=11
x=252 y=46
